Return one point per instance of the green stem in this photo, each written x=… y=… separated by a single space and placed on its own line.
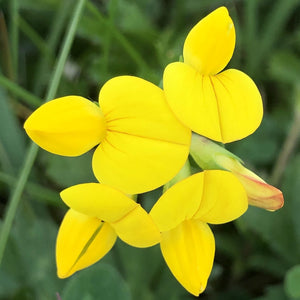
x=58 y=70
x=14 y=34
x=37 y=191
x=15 y=199
x=15 y=89
x=57 y=26
x=33 y=150
x=6 y=60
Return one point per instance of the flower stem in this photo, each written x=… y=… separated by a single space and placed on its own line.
x=33 y=149
x=6 y=60
x=14 y=34
x=57 y=27
x=38 y=192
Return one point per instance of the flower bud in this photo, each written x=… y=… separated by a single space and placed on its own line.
x=209 y=155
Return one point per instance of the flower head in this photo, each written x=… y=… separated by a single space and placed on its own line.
x=223 y=106
x=142 y=144
x=97 y=215
x=182 y=214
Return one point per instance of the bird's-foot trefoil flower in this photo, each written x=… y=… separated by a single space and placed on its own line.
x=142 y=144
x=209 y=155
x=97 y=215
x=182 y=214
x=223 y=106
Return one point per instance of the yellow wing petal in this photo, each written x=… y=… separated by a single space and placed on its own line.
x=178 y=203
x=210 y=44
x=225 y=108
x=67 y=126
x=137 y=229
x=98 y=200
x=81 y=241
x=223 y=199
x=189 y=251
x=145 y=145
x=130 y=221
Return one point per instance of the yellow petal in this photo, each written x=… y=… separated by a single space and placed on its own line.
x=137 y=229
x=178 y=203
x=145 y=145
x=98 y=200
x=224 y=108
x=223 y=198
x=239 y=103
x=192 y=99
x=130 y=221
x=81 y=242
x=209 y=45
x=189 y=251
x=67 y=126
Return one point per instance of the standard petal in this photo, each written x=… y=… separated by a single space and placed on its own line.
x=192 y=99
x=145 y=145
x=81 y=241
x=67 y=126
x=209 y=45
x=189 y=251
x=225 y=108
x=223 y=199
x=239 y=102
x=137 y=229
x=178 y=203
x=98 y=200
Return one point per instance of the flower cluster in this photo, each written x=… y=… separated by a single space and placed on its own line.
x=143 y=138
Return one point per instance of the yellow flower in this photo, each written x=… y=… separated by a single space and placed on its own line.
x=99 y=214
x=223 y=106
x=182 y=214
x=142 y=144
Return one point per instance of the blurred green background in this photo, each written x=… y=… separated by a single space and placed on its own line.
x=258 y=256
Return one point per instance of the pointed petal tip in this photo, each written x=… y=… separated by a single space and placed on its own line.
x=81 y=242
x=197 y=290
x=63 y=275
x=221 y=10
x=189 y=253
x=210 y=43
